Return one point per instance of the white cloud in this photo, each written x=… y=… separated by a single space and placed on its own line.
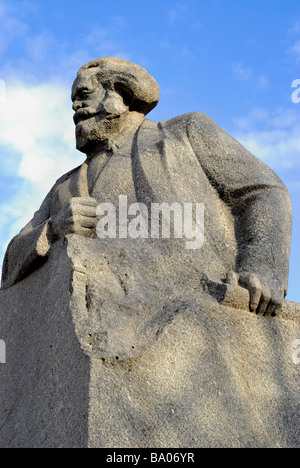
x=274 y=136
x=37 y=147
x=37 y=123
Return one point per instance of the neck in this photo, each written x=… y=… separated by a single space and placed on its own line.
x=114 y=139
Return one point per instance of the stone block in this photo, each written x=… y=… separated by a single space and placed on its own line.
x=96 y=359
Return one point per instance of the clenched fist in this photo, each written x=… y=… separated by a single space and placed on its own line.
x=78 y=216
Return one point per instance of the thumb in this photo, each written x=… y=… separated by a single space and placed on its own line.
x=232 y=278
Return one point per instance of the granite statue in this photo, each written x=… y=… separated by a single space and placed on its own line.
x=186 y=159
x=134 y=342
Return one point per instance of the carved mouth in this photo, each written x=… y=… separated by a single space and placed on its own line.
x=85 y=114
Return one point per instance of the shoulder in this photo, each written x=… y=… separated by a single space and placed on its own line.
x=67 y=175
x=187 y=122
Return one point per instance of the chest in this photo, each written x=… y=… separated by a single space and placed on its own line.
x=153 y=167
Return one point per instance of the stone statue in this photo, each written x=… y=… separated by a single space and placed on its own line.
x=186 y=159
x=139 y=341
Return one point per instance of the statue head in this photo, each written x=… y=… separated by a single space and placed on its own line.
x=105 y=92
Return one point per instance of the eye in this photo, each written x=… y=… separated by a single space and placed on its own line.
x=83 y=94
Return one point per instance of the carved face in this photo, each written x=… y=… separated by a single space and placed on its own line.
x=99 y=103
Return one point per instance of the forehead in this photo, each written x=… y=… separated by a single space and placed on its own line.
x=92 y=78
x=89 y=79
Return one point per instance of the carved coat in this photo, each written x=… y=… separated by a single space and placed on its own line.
x=187 y=159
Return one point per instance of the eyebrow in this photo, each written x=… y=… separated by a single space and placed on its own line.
x=78 y=91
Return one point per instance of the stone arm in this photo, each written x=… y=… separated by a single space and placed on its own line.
x=258 y=199
x=29 y=248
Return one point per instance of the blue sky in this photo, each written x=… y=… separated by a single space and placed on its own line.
x=234 y=60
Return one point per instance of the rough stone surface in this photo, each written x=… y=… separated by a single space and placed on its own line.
x=188 y=372
x=141 y=342
x=188 y=159
x=45 y=382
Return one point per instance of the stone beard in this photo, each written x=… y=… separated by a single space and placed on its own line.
x=98 y=131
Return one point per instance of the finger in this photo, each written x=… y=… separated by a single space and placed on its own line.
x=88 y=211
x=252 y=283
x=83 y=210
x=232 y=278
x=255 y=297
x=263 y=305
x=86 y=232
x=274 y=309
x=271 y=309
x=86 y=201
x=278 y=309
x=88 y=222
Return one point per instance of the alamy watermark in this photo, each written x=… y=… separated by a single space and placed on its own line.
x=2 y=92
x=296 y=93
x=296 y=353
x=156 y=221
x=2 y=352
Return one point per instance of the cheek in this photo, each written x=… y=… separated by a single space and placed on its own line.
x=96 y=98
x=114 y=104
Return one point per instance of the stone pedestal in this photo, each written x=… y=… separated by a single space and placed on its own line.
x=104 y=353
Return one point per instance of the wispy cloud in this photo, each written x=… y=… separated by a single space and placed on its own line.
x=109 y=40
x=39 y=45
x=295 y=27
x=41 y=56
x=175 y=14
x=292 y=40
x=296 y=50
x=241 y=71
x=272 y=136
x=262 y=82
x=12 y=28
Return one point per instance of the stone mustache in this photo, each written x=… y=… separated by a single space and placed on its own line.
x=187 y=159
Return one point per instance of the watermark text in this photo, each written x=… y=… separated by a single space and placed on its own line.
x=2 y=352
x=296 y=93
x=296 y=353
x=156 y=221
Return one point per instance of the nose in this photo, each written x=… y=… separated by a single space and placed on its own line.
x=76 y=105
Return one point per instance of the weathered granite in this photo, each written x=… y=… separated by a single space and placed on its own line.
x=175 y=369
x=188 y=159
x=142 y=342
